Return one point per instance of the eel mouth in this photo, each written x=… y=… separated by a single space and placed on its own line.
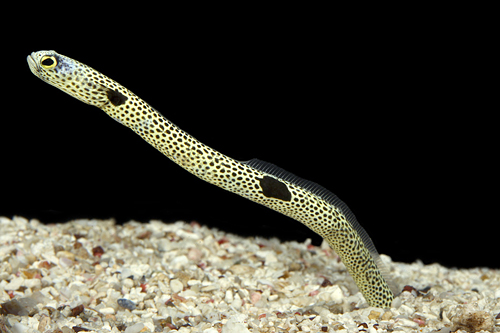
x=32 y=64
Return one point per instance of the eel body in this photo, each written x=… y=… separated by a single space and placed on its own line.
x=256 y=180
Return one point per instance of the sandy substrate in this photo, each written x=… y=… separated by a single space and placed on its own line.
x=92 y=275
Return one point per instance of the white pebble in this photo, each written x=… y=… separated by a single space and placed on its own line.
x=176 y=286
x=406 y=310
x=126 y=272
x=193 y=282
x=128 y=283
x=331 y=294
x=65 y=262
x=211 y=330
x=229 y=296
x=234 y=327
x=14 y=284
x=106 y=311
x=19 y=328
x=237 y=302
x=179 y=262
x=268 y=256
x=406 y=323
x=163 y=287
x=136 y=328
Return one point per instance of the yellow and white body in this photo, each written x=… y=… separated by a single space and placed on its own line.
x=259 y=181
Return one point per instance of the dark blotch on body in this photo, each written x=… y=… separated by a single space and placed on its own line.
x=273 y=188
x=116 y=98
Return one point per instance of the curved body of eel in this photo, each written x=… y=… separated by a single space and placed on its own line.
x=261 y=182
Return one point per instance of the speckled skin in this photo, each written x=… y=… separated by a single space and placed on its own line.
x=329 y=221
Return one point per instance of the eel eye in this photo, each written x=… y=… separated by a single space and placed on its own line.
x=48 y=62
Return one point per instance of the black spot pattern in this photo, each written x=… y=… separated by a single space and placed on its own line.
x=326 y=219
x=116 y=98
x=273 y=188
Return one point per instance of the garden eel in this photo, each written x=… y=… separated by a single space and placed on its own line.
x=256 y=180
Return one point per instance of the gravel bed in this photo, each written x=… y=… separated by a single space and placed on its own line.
x=96 y=276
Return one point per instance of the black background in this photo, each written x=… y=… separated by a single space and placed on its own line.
x=391 y=117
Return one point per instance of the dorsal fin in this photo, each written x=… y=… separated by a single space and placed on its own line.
x=331 y=199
